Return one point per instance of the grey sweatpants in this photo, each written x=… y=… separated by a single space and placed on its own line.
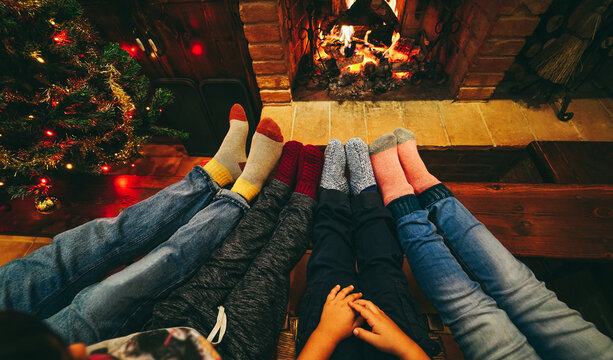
x=248 y=274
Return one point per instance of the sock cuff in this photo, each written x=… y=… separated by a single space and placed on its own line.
x=433 y=194
x=404 y=205
x=245 y=189
x=306 y=188
x=220 y=174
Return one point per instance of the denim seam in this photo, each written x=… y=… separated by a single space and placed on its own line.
x=119 y=249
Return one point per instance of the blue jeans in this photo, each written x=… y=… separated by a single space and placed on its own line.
x=178 y=228
x=492 y=302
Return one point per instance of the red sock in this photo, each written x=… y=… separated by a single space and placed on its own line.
x=388 y=171
x=286 y=171
x=309 y=170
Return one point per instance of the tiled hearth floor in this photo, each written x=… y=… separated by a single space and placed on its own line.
x=444 y=123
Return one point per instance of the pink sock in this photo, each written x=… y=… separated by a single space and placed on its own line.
x=414 y=168
x=388 y=170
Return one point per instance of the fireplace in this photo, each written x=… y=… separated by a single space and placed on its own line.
x=457 y=49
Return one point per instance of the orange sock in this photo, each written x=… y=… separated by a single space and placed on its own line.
x=414 y=167
x=388 y=170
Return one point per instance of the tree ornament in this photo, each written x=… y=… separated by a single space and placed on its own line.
x=47 y=204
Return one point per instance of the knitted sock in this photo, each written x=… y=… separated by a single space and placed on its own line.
x=309 y=170
x=333 y=174
x=286 y=171
x=387 y=168
x=266 y=147
x=361 y=176
x=414 y=168
x=225 y=166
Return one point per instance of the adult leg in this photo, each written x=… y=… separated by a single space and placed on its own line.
x=122 y=302
x=482 y=329
x=118 y=305
x=555 y=331
x=195 y=303
x=47 y=280
x=332 y=260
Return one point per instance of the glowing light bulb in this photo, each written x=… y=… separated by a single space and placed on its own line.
x=1 y=183
x=69 y=166
x=43 y=181
x=31 y=117
x=133 y=165
x=49 y=133
x=105 y=168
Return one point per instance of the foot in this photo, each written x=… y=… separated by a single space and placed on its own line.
x=361 y=175
x=333 y=174
x=266 y=147
x=226 y=165
x=309 y=171
x=414 y=168
x=387 y=168
x=286 y=171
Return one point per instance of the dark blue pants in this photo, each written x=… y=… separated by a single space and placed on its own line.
x=361 y=232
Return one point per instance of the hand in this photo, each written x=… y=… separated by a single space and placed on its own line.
x=338 y=319
x=386 y=335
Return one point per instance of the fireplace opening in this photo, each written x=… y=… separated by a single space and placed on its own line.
x=360 y=49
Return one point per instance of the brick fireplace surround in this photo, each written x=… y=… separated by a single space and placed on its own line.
x=492 y=33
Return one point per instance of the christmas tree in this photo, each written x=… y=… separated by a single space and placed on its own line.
x=69 y=102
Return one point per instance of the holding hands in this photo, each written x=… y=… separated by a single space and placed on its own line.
x=343 y=313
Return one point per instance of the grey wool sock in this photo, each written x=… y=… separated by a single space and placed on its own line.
x=333 y=174
x=361 y=175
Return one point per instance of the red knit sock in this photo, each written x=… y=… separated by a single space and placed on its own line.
x=286 y=171
x=309 y=170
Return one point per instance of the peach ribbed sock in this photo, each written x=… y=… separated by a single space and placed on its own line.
x=414 y=167
x=388 y=170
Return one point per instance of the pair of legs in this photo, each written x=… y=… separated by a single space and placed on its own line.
x=177 y=229
x=357 y=230
x=249 y=273
x=492 y=302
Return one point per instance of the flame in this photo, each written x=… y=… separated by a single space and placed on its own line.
x=346 y=34
x=392 y=4
x=349 y=3
x=354 y=68
x=401 y=74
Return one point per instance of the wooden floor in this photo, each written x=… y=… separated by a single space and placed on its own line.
x=496 y=123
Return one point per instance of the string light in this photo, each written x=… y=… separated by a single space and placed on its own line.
x=133 y=165
x=52 y=22
x=37 y=57
x=43 y=181
x=69 y=166
x=147 y=108
x=31 y=117
x=105 y=168
x=1 y=183
x=49 y=133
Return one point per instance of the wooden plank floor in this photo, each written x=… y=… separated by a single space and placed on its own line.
x=551 y=220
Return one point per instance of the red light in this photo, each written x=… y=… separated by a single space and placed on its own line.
x=133 y=165
x=49 y=133
x=55 y=103
x=197 y=49
x=43 y=181
x=131 y=49
x=105 y=168
x=61 y=37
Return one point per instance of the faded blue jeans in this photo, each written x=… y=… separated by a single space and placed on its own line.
x=500 y=310
x=177 y=228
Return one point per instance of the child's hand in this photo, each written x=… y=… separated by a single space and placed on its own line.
x=386 y=335
x=338 y=319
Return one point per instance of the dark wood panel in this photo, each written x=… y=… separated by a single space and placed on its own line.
x=574 y=162
x=177 y=28
x=566 y=221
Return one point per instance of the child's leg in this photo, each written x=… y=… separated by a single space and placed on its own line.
x=482 y=329
x=332 y=260
x=195 y=303
x=48 y=279
x=555 y=331
x=256 y=307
